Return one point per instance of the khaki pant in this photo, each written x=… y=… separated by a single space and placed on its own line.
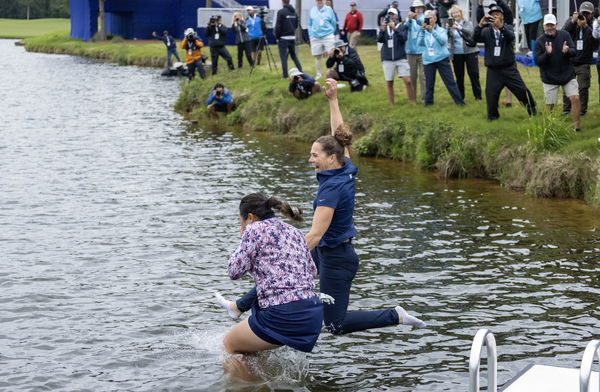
x=353 y=39
x=583 y=73
x=415 y=62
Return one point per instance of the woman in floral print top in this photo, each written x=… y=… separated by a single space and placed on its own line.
x=287 y=312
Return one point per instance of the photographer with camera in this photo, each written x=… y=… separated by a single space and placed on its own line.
x=193 y=53
x=302 y=85
x=256 y=30
x=464 y=51
x=580 y=29
x=240 y=32
x=433 y=39
x=345 y=65
x=215 y=31
x=500 y=61
x=285 y=32
x=219 y=100
x=171 y=45
x=414 y=52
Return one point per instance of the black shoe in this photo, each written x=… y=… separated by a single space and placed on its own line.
x=565 y=113
x=577 y=129
x=509 y=104
x=582 y=114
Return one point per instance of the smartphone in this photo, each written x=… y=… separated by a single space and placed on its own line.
x=413 y=9
x=426 y=21
x=450 y=22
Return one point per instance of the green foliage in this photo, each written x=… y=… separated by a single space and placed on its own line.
x=549 y=132
x=16 y=28
x=37 y=9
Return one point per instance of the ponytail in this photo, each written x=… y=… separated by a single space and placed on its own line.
x=259 y=205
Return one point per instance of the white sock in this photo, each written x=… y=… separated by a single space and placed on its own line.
x=407 y=319
x=227 y=305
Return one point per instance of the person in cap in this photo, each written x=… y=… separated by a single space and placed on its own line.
x=464 y=51
x=171 y=45
x=596 y=34
x=530 y=14
x=193 y=53
x=502 y=71
x=285 y=32
x=219 y=100
x=434 y=39
x=302 y=85
x=383 y=18
x=414 y=52
x=345 y=65
x=393 y=56
x=256 y=30
x=321 y=29
x=215 y=31
x=579 y=26
x=553 y=52
x=353 y=25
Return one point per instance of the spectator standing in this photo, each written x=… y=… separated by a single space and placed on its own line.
x=256 y=31
x=171 y=45
x=500 y=62
x=321 y=29
x=382 y=17
x=553 y=52
x=329 y=3
x=596 y=34
x=240 y=32
x=393 y=56
x=285 y=32
x=353 y=25
x=580 y=29
x=193 y=53
x=215 y=31
x=464 y=51
x=302 y=85
x=413 y=50
x=346 y=66
x=444 y=11
x=219 y=100
x=434 y=40
x=530 y=13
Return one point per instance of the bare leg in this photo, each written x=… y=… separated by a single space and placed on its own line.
x=575 y=110
x=410 y=91
x=390 y=91
x=508 y=98
x=318 y=65
x=212 y=112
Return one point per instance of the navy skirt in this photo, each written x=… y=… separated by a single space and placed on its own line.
x=295 y=324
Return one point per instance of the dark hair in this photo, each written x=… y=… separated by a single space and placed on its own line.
x=335 y=144
x=261 y=206
x=218 y=85
x=285 y=2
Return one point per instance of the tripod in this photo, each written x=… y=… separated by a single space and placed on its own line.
x=270 y=59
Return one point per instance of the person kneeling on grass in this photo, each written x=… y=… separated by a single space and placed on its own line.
x=302 y=85
x=219 y=100
x=287 y=312
x=345 y=65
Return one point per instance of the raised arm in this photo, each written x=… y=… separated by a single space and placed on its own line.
x=335 y=115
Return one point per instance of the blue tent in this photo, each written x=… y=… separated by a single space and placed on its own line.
x=137 y=19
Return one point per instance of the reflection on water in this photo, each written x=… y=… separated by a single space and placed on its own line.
x=118 y=217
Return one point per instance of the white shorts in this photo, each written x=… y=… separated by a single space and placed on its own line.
x=400 y=66
x=551 y=91
x=322 y=45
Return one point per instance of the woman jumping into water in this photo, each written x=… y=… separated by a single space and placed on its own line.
x=287 y=310
x=331 y=234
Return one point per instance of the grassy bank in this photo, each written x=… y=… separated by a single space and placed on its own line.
x=21 y=28
x=540 y=155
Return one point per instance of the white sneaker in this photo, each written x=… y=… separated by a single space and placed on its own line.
x=318 y=76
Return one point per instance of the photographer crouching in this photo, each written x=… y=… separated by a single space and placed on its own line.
x=345 y=65
x=302 y=85
x=215 y=31
x=193 y=53
x=219 y=100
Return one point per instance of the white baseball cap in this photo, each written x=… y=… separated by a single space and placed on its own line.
x=392 y=11
x=549 y=19
x=249 y=8
x=294 y=72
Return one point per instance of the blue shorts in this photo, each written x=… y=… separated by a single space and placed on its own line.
x=295 y=324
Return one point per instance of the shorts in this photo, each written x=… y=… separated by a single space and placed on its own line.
x=551 y=91
x=257 y=44
x=400 y=66
x=220 y=108
x=323 y=45
x=295 y=324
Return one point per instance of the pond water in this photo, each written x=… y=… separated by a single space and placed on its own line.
x=117 y=218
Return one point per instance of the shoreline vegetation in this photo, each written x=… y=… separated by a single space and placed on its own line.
x=541 y=156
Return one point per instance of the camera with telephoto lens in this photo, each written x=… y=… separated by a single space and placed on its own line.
x=580 y=17
x=296 y=78
x=213 y=19
x=336 y=52
x=262 y=12
x=413 y=9
x=218 y=93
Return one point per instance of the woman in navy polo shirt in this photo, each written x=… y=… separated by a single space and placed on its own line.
x=330 y=237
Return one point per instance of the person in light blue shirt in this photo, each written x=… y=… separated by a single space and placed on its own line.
x=413 y=50
x=256 y=31
x=434 y=40
x=530 y=13
x=321 y=30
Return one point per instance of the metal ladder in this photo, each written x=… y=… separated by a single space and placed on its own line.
x=484 y=336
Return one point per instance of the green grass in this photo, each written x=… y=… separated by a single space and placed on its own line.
x=21 y=28
x=539 y=155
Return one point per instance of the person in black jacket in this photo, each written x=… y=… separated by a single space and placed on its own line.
x=215 y=31
x=580 y=29
x=285 y=32
x=240 y=32
x=500 y=62
x=171 y=45
x=553 y=52
x=345 y=65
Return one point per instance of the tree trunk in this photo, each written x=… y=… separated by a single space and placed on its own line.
x=299 y=29
x=102 y=14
